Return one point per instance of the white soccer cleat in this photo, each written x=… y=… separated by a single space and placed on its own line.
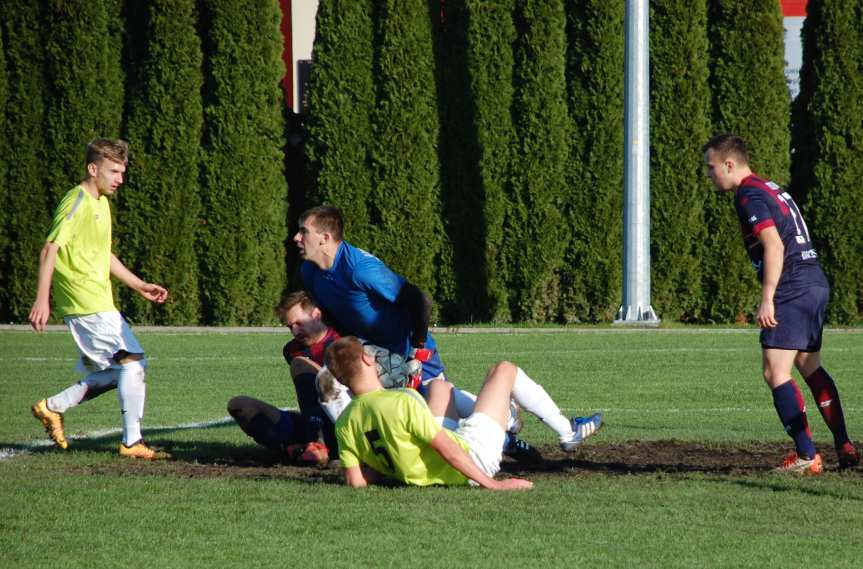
x=582 y=428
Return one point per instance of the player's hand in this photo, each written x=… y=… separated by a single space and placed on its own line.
x=153 y=292
x=39 y=315
x=415 y=363
x=766 y=315
x=513 y=484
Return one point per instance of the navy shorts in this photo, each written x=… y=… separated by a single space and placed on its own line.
x=800 y=316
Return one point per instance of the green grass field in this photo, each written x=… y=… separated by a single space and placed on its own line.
x=88 y=508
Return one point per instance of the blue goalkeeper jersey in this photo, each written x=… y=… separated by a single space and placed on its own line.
x=358 y=293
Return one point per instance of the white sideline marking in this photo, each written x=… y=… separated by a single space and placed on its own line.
x=28 y=447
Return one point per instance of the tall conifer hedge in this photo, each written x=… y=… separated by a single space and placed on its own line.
x=679 y=125
x=242 y=242
x=160 y=204
x=490 y=62
x=4 y=235
x=591 y=276
x=26 y=208
x=85 y=80
x=535 y=230
x=829 y=155
x=750 y=98
x=342 y=99
x=405 y=197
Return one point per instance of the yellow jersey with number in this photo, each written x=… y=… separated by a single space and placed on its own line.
x=391 y=431
x=82 y=275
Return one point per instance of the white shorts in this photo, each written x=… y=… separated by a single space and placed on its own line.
x=485 y=438
x=99 y=337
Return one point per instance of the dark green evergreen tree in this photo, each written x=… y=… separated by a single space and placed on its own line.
x=490 y=62
x=750 y=99
x=679 y=126
x=4 y=235
x=26 y=206
x=405 y=197
x=160 y=204
x=244 y=192
x=85 y=80
x=591 y=276
x=828 y=165
x=341 y=101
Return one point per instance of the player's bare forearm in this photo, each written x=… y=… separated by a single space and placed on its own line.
x=461 y=461
x=41 y=310
x=361 y=476
x=774 y=255
x=150 y=291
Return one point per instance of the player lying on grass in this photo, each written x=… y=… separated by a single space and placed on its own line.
x=363 y=297
x=306 y=436
x=395 y=434
x=794 y=296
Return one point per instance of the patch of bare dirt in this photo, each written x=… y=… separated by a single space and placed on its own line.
x=603 y=459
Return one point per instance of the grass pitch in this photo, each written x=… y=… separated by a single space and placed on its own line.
x=679 y=477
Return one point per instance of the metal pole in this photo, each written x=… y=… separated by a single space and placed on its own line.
x=636 y=309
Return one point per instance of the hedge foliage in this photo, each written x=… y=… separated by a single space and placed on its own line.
x=475 y=146
x=160 y=205
x=680 y=124
x=829 y=137
x=26 y=215
x=241 y=244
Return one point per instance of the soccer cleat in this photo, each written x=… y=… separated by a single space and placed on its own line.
x=582 y=429
x=515 y=424
x=795 y=464
x=140 y=449
x=848 y=457
x=521 y=451
x=313 y=453
x=52 y=421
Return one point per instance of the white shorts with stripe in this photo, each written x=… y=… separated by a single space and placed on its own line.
x=100 y=337
x=485 y=438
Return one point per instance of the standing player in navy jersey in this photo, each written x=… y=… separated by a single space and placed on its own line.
x=365 y=298
x=794 y=295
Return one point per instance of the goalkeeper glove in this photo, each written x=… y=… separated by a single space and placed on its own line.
x=415 y=364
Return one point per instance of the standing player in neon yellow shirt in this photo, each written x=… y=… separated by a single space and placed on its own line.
x=394 y=434
x=77 y=258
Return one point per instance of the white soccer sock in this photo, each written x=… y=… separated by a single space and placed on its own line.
x=94 y=384
x=132 y=392
x=533 y=398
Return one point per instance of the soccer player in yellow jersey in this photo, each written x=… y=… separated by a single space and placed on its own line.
x=77 y=259
x=395 y=434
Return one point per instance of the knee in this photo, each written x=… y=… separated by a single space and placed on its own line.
x=504 y=367
x=237 y=404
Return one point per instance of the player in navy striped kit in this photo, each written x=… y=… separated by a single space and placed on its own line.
x=794 y=296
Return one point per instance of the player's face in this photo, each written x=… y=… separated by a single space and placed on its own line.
x=107 y=175
x=309 y=240
x=305 y=323
x=719 y=171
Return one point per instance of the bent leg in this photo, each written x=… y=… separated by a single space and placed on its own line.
x=267 y=425
x=788 y=399
x=826 y=394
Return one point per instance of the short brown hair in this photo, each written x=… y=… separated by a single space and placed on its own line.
x=728 y=145
x=344 y=357
x=291 y=299
x=326 y=218
x=114 y=150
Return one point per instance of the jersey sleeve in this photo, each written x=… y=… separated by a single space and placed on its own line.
x=758 y=214
x=65 y=223
x=348 y=454
x=372 y=275
x=419 y=419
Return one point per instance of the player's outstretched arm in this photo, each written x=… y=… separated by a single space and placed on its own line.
x=459 y=459
x=150 y=291
x=41 y=310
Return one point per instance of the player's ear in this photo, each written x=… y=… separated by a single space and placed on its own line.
x=316 y=314
x=92 y=168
